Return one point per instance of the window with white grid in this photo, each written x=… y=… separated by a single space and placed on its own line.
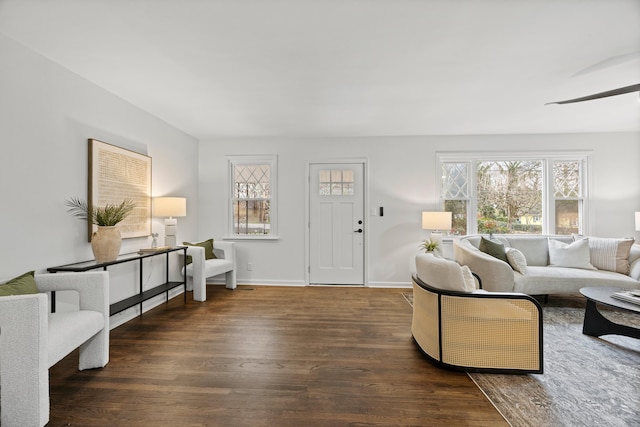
x=252 y=211
x=508 y=193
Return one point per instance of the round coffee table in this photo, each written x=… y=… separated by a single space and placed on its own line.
x=595 y=324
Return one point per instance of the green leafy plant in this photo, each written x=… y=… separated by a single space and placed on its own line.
x=107 y=215
x=430 y=245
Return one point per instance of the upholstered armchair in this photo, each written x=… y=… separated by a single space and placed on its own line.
x=32 y=340
x=201 y=268
x=473 y=330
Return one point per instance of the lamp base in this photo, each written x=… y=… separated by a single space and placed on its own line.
x=170 y=241
x=170 y=231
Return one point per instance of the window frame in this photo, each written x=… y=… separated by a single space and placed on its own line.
x=548 y=192
x=234 y=161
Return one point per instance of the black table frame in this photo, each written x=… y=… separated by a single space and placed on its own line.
x=143 y=295
x=595 y=324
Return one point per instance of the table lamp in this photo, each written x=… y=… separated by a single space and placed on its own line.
x=436 y=222
x=170 y=207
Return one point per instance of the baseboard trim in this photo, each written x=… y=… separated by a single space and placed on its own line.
x=398 y=285
x=262 y=282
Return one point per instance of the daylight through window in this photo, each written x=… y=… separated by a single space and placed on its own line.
x=528 y=194
x=252 y=204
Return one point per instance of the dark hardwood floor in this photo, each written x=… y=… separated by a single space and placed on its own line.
x=269 y=356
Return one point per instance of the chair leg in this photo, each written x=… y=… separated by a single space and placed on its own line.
x=94 y=353
x=230 y=279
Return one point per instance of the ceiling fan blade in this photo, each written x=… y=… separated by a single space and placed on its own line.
x=613 y=92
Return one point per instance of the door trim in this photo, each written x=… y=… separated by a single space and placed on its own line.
x=307 y=214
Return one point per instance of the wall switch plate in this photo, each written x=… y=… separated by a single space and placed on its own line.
x=374 y=211
x=249 y=266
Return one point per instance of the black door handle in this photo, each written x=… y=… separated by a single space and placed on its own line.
x=359 y=230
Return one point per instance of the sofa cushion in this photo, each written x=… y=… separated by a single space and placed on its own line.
x=609 y=254
x=517 y=260
x=561 y=280
x=21 y=285
x=208 y=249
x=572 y=255
x=492 y=248
x=442 y=273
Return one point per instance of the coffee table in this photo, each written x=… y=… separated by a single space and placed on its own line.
x=595 y=324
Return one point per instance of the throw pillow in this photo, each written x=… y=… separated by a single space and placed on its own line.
x=469 y=281
x=21 y=285
x=492 y=248
x=208 y=250
x=609 y=254
x=516 y=260
x=574 y=255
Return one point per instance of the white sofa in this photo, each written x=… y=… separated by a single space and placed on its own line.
x=32 y=340
x=200 y=268
x=540 y=278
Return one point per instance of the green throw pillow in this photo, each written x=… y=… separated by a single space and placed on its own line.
x=21 y=285
x=494 y=249
x=208 y=249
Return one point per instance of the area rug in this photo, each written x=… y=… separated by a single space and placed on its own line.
x=587 y=381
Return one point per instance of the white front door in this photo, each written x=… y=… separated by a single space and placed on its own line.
x=336 y=226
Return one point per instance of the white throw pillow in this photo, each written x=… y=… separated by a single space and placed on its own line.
x=469 y=281
x=609 y=254
x=574 y=255
x=517 y=261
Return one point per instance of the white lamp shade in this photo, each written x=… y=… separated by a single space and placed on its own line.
x=637 y=221
x=169 y=206
x=436 y=220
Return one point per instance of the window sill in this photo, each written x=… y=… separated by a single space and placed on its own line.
x=251 y=238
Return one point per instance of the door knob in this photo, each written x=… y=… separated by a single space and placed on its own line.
x=359 y=230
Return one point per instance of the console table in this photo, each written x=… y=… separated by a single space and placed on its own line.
x=131 y=257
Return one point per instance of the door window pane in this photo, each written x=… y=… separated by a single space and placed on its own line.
x=335 y=183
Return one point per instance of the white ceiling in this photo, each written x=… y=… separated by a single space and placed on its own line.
x=231 y=68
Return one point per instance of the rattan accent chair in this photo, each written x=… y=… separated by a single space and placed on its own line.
x=474 y=331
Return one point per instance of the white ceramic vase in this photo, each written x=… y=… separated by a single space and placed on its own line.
x=106 y=243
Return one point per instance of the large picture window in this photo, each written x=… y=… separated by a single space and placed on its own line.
x=253 y=183
x=529 y=193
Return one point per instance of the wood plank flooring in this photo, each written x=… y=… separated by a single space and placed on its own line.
x=269 y=356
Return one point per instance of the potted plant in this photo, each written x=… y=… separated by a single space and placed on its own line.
x=106 y=241
x=430 y=245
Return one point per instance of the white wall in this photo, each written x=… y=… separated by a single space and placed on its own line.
x=46 y=116
x=403 y=180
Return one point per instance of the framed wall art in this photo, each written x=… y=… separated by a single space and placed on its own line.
x=117 y=174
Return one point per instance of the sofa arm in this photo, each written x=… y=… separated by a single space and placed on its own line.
x=92 y=287
x=497 y=275
x=634 y=269
x=492 y=331
x=24 y=387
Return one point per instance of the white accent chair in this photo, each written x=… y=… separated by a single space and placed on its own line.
x=200 y=269
x=32 y=340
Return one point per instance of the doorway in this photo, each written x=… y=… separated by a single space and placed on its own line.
x=337 y=226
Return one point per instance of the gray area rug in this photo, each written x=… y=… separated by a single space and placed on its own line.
x=587 y=381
